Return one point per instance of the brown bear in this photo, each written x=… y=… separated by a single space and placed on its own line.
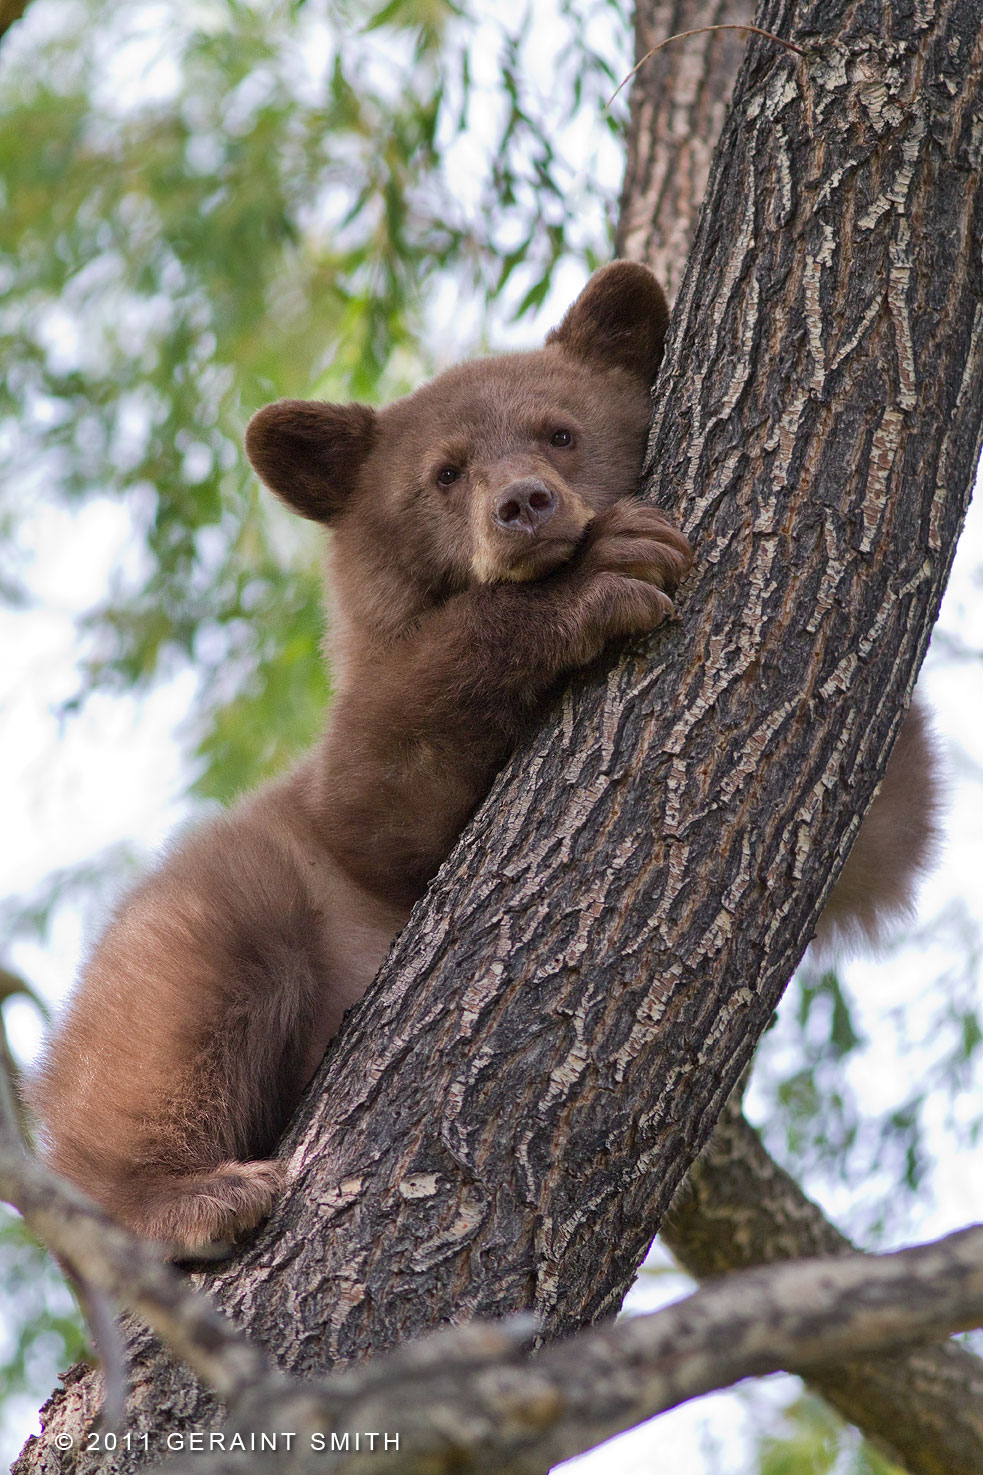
x=486 y=541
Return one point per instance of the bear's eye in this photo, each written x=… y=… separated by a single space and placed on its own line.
x=561 y=438
x=448 y=476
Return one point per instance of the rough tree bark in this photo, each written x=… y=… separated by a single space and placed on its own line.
x=508 y=1113
x=923 y=1408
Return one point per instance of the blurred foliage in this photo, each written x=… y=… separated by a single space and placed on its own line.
x=204 y=208
x=813 y=1441
x=46 y=1334
x=809 y=1078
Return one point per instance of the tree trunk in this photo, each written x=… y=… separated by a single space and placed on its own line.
x=508 y=1113
x=738 y=1208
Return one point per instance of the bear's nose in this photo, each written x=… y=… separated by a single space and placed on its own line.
x=525 y=506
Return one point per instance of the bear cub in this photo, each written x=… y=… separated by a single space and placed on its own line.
x=486 y=541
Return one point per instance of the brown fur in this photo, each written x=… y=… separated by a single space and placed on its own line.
x=485 y=543
x=207 y=1005
x=897 y=841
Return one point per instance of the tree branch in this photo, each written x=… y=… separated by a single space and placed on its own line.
x=678 y=102
x=10 y=11
x=738 y=1209
x=501 y=1411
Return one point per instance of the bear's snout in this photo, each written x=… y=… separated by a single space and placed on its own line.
x=524 y=506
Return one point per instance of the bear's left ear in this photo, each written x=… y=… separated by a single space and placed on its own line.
x=619 y=320
x=309 y=452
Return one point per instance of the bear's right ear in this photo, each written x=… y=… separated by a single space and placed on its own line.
x=309 y=452
x=618 y=321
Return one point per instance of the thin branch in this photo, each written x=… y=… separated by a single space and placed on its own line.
x=14 y=984
x=698 y=31
x=10 y=11
x=107 y=1340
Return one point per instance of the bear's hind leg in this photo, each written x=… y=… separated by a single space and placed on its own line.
x=194 y=1213
x=897 y=842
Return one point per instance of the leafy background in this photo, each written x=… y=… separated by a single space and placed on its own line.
x=207 y=206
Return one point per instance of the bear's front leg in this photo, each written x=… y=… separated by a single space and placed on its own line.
x=422 y=729
x=620 y=583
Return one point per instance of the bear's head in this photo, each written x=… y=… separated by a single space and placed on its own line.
x=493 y=470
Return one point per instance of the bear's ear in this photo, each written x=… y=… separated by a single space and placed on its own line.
x=309 y=452
x=619 y=320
